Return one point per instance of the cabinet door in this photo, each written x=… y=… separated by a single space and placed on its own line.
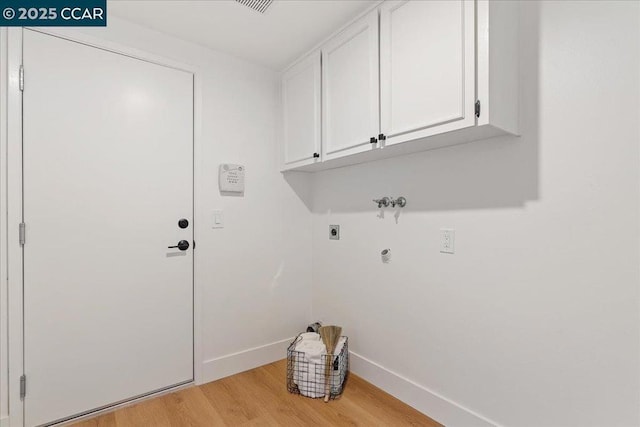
x=350 y=84
x=301 y=104
x=427 y=74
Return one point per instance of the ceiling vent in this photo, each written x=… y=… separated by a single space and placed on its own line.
x=257 y=5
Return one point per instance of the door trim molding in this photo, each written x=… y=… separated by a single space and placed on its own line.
x=4 y=401
x=14 y=217
x=14 y=198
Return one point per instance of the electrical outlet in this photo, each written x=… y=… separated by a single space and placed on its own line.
x=447 y=240
x=334 y=232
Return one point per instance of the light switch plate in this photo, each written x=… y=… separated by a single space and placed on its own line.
x=217 y=219
x=447 y=240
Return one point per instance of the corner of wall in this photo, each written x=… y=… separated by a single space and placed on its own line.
x=230 y=364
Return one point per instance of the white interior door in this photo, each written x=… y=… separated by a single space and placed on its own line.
x=108 y=155
x=427 y=67
x=350 y=86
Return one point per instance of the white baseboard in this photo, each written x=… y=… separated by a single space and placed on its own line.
x=4 y=421
x=421 y=398
x=220 y=367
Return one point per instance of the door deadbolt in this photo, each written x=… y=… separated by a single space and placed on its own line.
x=183 y=223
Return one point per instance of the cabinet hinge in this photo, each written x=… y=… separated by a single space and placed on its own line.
x=21 y=78
x=478 y=108
x=21 y=233
x=23 y=386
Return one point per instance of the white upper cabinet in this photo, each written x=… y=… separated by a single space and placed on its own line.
x=427 y=68
x=301 y=108
x=350 y=85
x=408 y=76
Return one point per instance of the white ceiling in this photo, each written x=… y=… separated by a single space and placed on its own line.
x=285 y=31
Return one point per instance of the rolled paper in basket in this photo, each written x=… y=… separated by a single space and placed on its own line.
x=330 y=336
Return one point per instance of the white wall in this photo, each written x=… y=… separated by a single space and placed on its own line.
x=535 y=319
x=255 y=273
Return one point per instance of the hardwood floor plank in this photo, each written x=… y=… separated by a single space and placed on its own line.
x=383 y=406
x=230 y=398
x=276 y=400
x=259 y=397
x=190 y=407
x=106 y=420
x=150 y=412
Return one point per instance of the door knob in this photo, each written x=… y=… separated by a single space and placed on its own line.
x=183 y=245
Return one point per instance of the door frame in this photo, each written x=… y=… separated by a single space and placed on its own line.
x=14 y=202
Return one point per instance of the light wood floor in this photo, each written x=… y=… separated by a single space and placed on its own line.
x=260 y=398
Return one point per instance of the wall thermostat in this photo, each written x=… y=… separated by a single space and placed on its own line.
x=231 y=178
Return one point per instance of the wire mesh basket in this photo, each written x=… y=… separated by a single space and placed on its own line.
x=309 y=379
